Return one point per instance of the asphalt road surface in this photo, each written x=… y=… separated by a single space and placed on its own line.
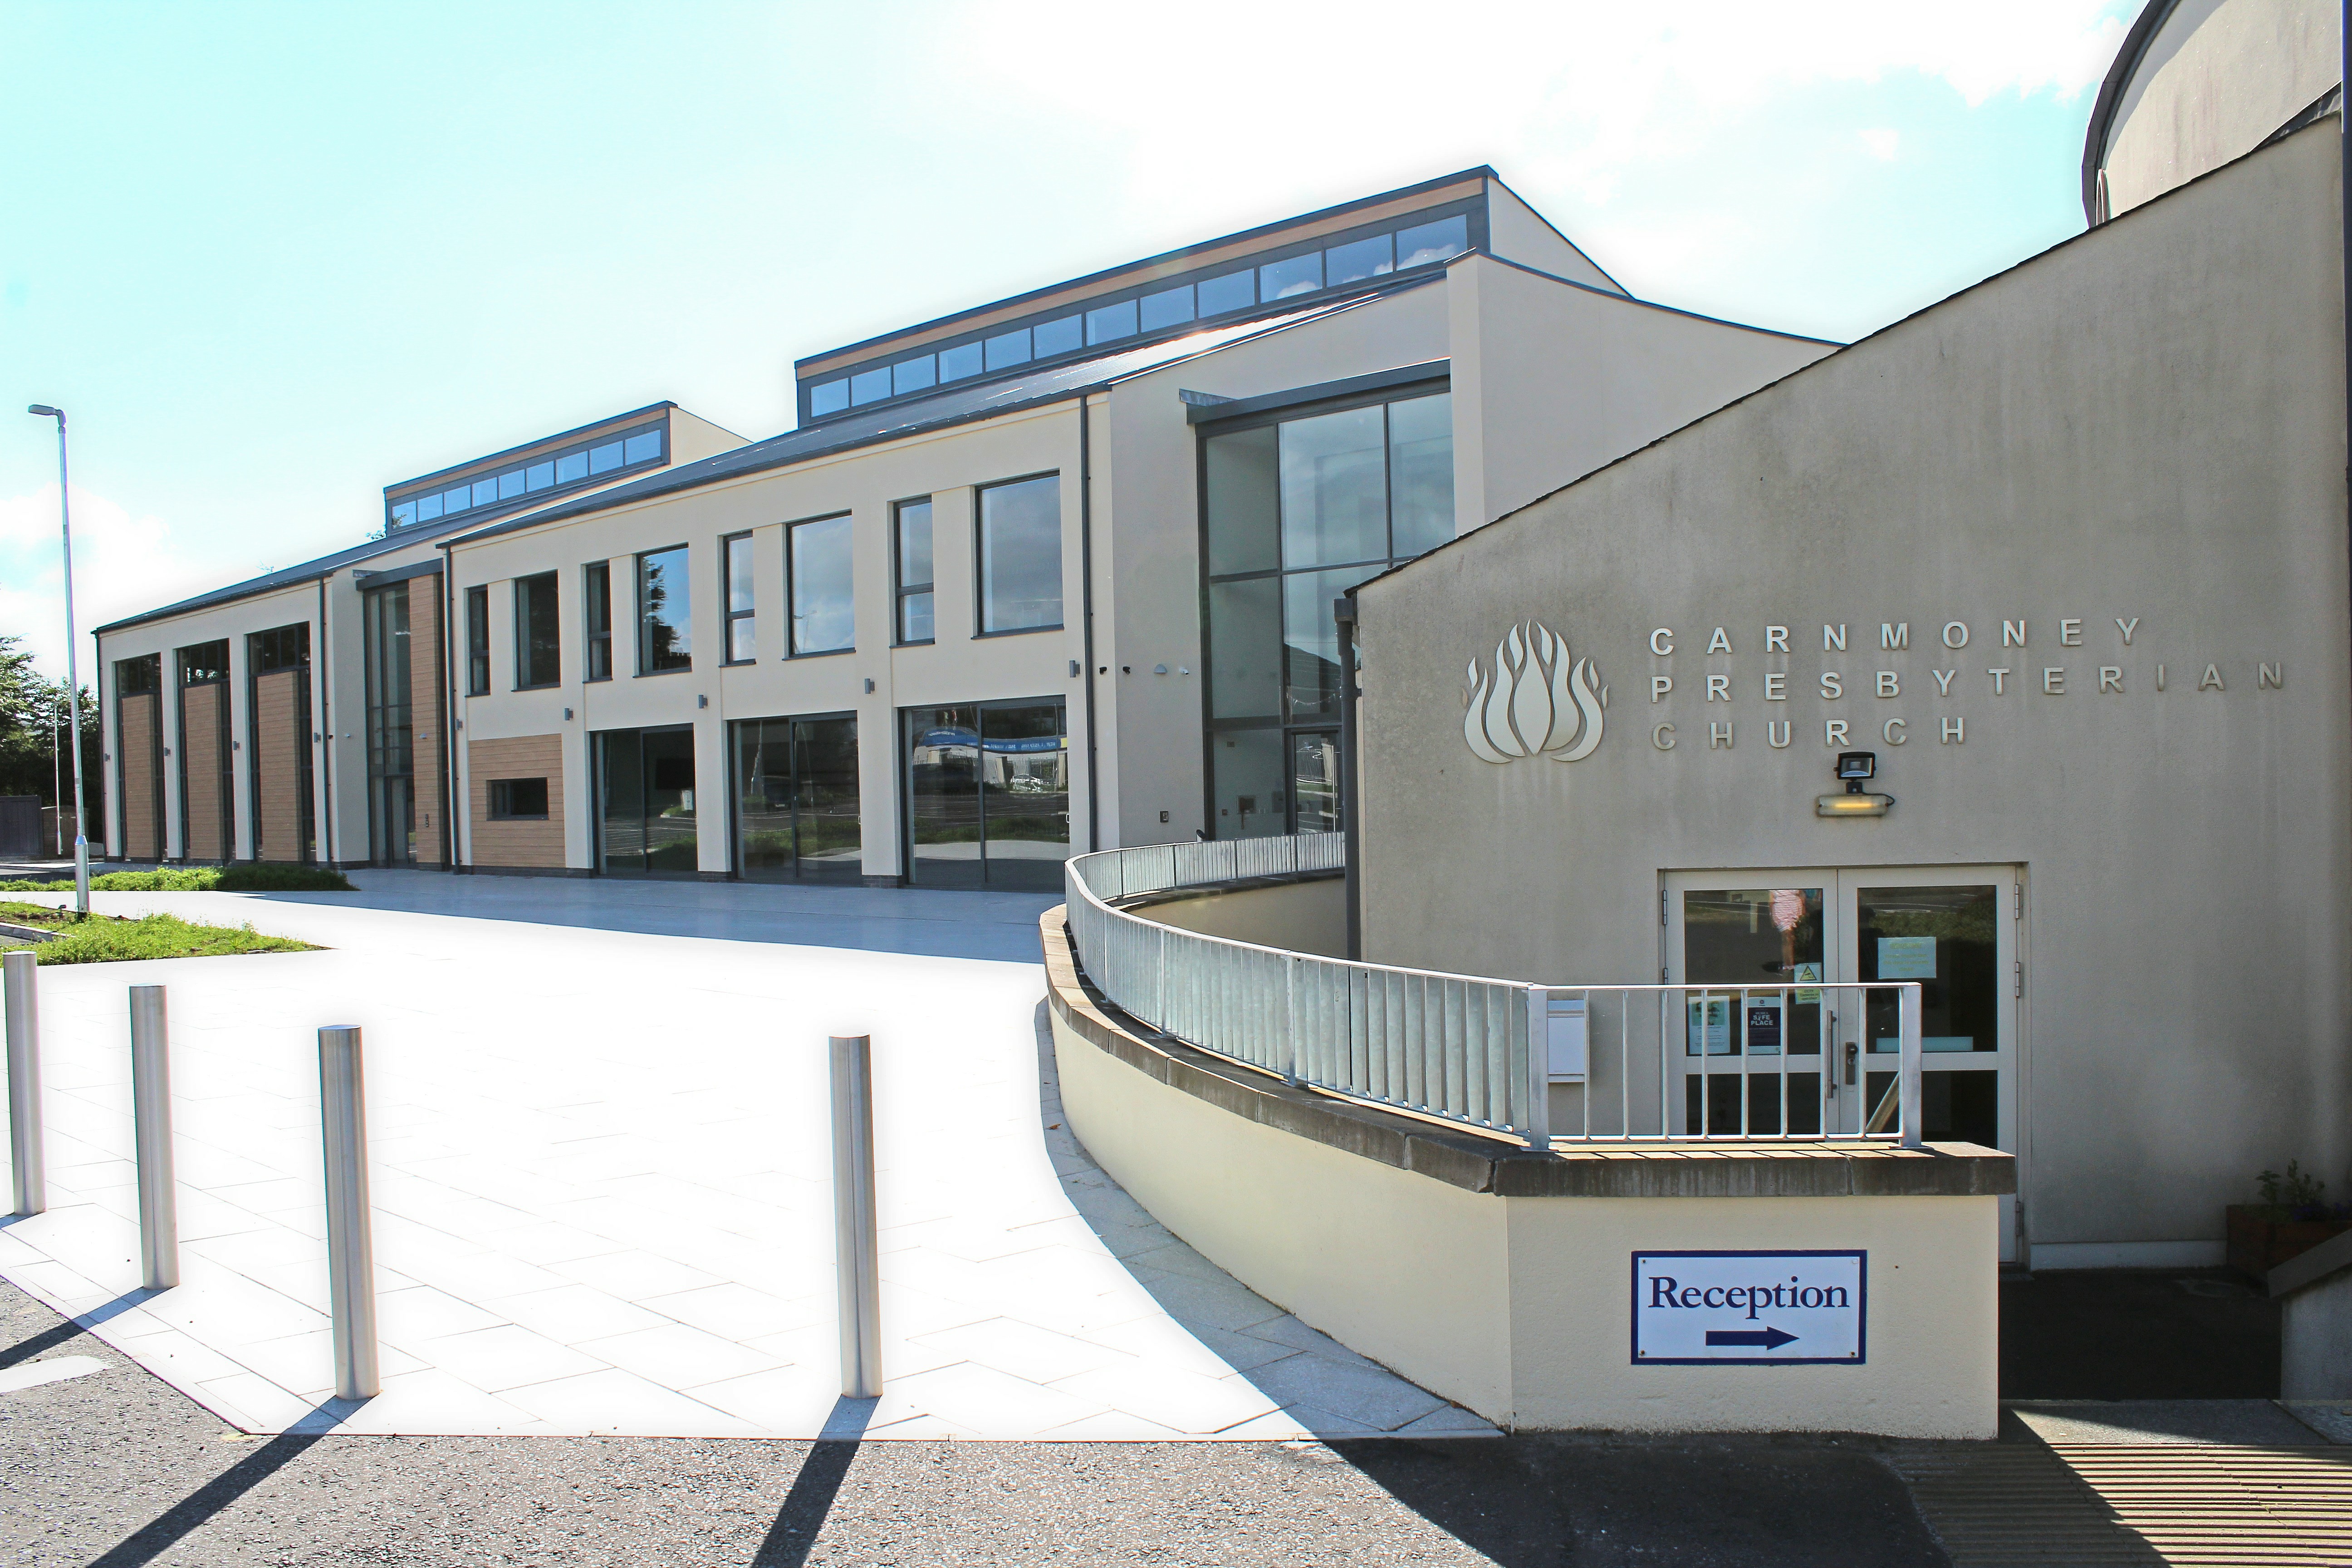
x=115 y=1468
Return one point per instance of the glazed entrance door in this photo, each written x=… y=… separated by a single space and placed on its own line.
x=1953 y=929
x=1752 y=1060
x=1754 y=1063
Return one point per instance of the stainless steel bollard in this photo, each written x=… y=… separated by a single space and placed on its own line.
x=150 y=1117
x=27 y=1172
x=350 y=1245
x=857 y=1247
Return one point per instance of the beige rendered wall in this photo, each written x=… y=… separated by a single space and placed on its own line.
x=693 y=438
x=1551 y=381
x=517 y=843
x=1932 y=1318
x=1148 y=541
x=1301 y=917
x=2217 y=80
x=1409 y=1271
x=2143 y=426
x=1519 y=1308
x=1516 y=232
x=959 y=667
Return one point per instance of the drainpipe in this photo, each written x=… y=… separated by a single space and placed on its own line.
x=1087 y=614
x=326 y=742
x=449 y=713
x=1343 y=611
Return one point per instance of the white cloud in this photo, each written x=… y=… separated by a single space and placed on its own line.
x=1882 y=144
x=122 y=565
x=1230 y=99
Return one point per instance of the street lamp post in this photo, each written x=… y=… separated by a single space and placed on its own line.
x=73 y=677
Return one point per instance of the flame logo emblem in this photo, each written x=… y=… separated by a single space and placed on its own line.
x=1536 y=704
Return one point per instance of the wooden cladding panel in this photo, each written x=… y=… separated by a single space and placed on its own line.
x=424 y=697
x=278 y=739
x=531 y=843
x=141 y=743
x=204 y=746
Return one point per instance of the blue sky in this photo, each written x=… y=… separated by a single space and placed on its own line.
x=272 y=257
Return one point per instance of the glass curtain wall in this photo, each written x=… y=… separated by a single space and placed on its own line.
x=988 y=795
x=1296 y=513
x=645 y=802
x=796 y=816
x=391 y=747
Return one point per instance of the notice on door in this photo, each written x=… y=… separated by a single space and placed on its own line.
x=1750 y=1309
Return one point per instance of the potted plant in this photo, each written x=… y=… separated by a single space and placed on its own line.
x=2293 y=1217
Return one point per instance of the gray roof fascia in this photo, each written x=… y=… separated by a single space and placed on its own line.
x=1646 y=304
x=399 y=573
x=1351 y=386
x=472 y=463
x=2144 y=27
x=998 y=398
x=1179 y=253
x=285 y=577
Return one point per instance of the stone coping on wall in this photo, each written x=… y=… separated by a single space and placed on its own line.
x=1502 y=1166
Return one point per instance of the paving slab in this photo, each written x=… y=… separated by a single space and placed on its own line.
x=602 y=1182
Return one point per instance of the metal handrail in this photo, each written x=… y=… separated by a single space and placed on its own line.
x=1471 y=1049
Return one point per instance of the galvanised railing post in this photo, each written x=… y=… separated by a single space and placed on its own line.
x=1535 y=1078
x=1910 y=1067
x=1290 y=1018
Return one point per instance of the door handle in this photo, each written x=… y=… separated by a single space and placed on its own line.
x=1853 y=1055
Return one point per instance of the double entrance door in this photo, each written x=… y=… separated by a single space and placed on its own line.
x=1822 y=1058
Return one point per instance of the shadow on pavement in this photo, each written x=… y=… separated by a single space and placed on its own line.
x=1536 y=1502
x=2137 y=1333
x=931 y=923
x=147 y=1544
x=814 y=1489
x=72 y=1328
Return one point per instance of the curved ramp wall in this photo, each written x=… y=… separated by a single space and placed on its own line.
x=1501 y=1279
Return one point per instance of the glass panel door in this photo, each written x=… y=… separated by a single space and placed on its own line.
x=1953 y=929
x=1751 y=1058
x=645 y=791
x=1827 y=1059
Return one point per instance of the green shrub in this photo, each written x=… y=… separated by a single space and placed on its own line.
x=103 y=938
x=245 y=877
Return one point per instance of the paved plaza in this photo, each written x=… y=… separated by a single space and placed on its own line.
x=602 y=1173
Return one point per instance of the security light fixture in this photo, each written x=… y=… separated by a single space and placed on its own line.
x=1854 y=767
x=45 y=411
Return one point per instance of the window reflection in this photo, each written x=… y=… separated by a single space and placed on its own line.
x=796 y=813
x=988 y=795
x=823 y=620
x=1296 y=514
x=1021 y=555
x=665 y=610
x=602 y=457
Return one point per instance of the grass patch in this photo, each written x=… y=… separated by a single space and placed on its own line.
x=245 y=877
x=106 y=939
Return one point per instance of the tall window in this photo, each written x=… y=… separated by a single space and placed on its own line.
x=596 y=611
x=665 y=610
x=741 y=643
x=1297 y=512
x=913 y=566
x=818 y=562
x=538 y=653
x=478 y=642
x=1021 y=555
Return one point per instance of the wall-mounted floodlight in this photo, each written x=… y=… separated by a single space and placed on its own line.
x=1853 y=768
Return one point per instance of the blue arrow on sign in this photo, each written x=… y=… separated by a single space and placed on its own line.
x=1770 y=1339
